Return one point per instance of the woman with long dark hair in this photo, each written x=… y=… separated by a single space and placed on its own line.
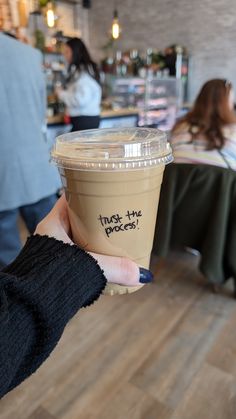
x=207 y=134
x=82 y=93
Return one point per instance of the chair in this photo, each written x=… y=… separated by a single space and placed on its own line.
x=197 y=209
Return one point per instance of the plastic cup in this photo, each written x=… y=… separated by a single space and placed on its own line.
x=112 y=180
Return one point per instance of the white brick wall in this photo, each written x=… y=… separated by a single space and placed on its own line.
x=206 y=27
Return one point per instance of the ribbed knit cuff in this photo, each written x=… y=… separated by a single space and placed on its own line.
x=39 y=293
x=46 y=263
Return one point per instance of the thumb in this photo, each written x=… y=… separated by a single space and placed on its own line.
x=123 y=271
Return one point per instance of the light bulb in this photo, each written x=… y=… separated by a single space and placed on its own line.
x=115 y=29
x=50 y=18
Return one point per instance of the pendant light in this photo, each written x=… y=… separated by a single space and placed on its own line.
x=50 y=15
x=115 y=30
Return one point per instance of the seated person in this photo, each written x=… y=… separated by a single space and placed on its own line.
x=207 y=133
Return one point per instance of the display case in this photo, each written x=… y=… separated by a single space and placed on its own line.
x=158 y=99
x=125 y=92
x=55 y=70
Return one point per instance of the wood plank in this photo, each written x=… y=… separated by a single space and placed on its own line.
x=41 y=413
x=184 y=349
x=131 y=402
x=212 y=395
x=223 y=353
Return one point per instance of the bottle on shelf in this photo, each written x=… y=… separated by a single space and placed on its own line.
x=137 y=62
x=120 y=64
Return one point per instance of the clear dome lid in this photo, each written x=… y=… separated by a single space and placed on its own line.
x=112 y=149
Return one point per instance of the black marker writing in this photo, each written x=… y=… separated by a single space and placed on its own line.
x=116 y=218
x=133 y=214
x=121 y=227
x=114 y=223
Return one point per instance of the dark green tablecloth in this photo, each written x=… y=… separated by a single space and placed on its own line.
x=198 y=209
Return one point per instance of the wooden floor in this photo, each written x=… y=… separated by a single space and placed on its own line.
x=165 y=352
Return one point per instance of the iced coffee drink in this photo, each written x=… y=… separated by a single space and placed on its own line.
x=112 y=181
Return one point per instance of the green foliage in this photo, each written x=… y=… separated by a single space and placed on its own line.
x=158 y=58
x=108 y=45
x=43 y=3
x=39 y=40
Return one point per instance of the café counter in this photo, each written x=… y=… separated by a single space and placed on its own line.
x=110 y=118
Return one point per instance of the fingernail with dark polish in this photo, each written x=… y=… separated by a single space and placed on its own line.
x=145 y=276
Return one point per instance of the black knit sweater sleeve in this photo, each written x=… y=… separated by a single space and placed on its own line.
x=39 y=293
